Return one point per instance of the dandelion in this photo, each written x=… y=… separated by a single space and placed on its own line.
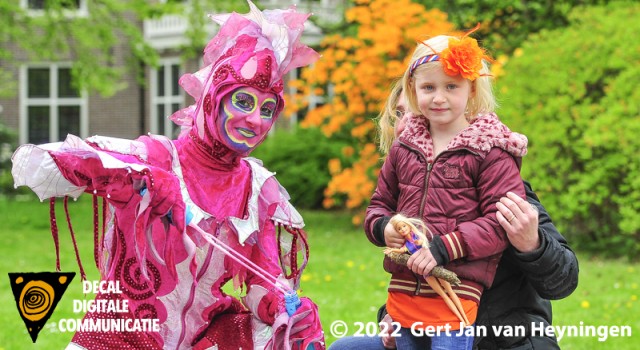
x=517 y=52
x=362 y=267
x=350 y=264
x=327 y=278
x=634 y=297
x=585 y=304
x=306 y=277
x=382 y=284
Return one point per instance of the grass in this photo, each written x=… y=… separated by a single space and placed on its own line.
x=344 y=277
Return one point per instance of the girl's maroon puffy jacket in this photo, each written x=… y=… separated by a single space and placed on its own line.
x=455 y=193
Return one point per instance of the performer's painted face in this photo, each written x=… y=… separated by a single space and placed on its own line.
x=246 y=117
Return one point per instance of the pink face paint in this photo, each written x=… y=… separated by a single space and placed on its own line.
x=245 y=118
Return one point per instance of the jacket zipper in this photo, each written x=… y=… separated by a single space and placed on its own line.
x=426 y=187
x=422 y=204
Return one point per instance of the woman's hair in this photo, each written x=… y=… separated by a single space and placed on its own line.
x=417 y=226
x=482 y=99
x=388 y=118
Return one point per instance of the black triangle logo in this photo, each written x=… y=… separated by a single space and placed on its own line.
x=37 y=294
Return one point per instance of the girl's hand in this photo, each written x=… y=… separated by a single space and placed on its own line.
x=422 y=262
x=392 y=238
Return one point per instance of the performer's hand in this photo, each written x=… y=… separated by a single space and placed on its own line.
x=422 y=262
x=392 y=238
x=85 y=168
x=305 y=323
x=388 y=341
x=520 y=220
x=166 y=198
x=299 y=330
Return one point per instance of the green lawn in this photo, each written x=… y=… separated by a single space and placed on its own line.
x=344 y=278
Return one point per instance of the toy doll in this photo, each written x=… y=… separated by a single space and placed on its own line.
x=413 y=230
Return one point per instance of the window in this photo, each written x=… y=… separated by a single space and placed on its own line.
x=166 y=97
x=70 y=7
x=51 y=107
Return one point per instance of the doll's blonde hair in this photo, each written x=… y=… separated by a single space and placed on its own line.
x=417 y=226
x=481 y=101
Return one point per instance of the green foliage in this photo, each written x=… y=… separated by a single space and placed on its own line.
x=505 y=24
x=300 y=160
x=574 y=93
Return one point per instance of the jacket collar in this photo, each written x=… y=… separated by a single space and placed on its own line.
x=484 y=133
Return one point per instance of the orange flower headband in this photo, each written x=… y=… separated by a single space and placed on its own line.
x=462 y=56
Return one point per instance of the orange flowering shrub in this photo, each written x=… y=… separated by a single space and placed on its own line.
x=354 y=76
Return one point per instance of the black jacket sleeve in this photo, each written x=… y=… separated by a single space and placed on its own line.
x=552 y=269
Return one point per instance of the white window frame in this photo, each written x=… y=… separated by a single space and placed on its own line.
x=53 y=102
x=167 y=100
x=82 y=11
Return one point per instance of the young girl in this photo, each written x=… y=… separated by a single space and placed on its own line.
x=449 y=166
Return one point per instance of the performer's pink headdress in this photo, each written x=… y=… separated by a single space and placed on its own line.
x=256 y=49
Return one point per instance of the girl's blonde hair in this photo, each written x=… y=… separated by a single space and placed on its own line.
x=388 y=118
x=417 y=226
x=481 y=101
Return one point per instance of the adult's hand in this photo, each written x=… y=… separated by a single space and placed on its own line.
x=422 y=262
x=520 y=220
x=388 y=341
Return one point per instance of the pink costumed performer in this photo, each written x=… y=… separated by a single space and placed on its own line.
x=183 y=217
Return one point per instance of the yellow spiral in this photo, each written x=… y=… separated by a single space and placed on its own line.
x=36 y=300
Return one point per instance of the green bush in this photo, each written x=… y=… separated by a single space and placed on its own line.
x=300 y=161
x=574 y=93
x=505 y=24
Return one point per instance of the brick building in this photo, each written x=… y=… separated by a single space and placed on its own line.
x=46 y=108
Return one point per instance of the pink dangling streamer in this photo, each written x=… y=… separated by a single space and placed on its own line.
x=296 y=233
x=73 y=238
x=104 y=231
x=54 y=230
x=96 y=232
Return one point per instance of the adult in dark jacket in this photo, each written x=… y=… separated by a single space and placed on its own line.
x=538 y=266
